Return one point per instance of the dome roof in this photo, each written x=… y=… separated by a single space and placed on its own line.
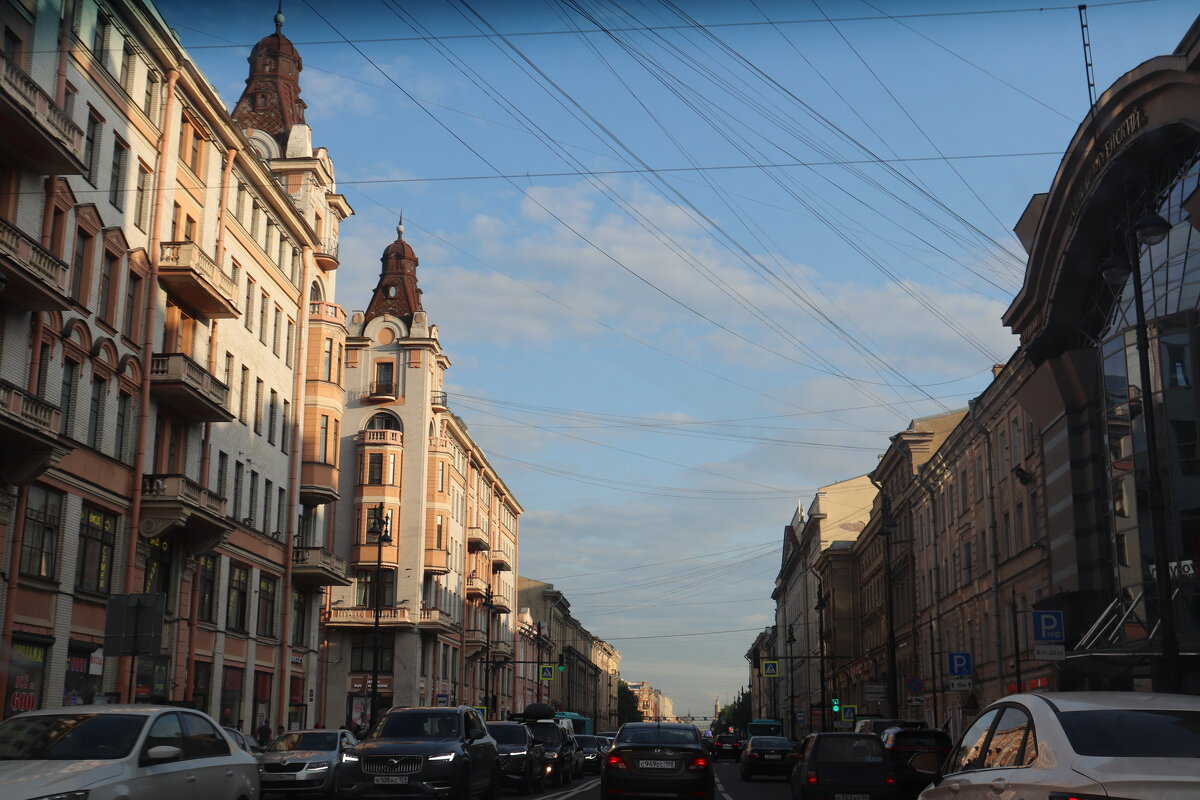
x=400 y=249
x=277 y=44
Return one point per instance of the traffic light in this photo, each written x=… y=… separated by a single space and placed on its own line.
x=561 y=666
x=837 y=706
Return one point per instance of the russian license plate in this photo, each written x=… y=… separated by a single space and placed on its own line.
x=279 y=776
x=404 y=779
x=775 y=756
x=852 y=797
x=656 y=765
x=727 y=746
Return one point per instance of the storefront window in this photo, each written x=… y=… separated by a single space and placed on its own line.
x=231 y=698
x=262 y=699
x=158 y=566
x=207 y=576
x=84 y=672
x=201 y=683
x=152 y=679
x=26 y=675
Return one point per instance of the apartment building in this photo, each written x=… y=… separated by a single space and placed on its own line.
x=155 y=278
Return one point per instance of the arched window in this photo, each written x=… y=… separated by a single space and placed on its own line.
x=316 y=294
x=384 y=421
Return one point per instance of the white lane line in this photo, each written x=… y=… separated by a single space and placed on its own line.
x=721 y=787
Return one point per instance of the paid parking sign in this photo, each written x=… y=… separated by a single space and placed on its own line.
x=1048 y=626
x=546 y=672
x=959 y=663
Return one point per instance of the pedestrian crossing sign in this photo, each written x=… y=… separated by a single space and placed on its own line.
x=770 y=669
x=546 y=672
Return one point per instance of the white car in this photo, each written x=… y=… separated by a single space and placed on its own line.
x=121 y=751
x=1086 y=745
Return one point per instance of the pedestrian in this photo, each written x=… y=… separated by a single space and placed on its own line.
x=263 y=734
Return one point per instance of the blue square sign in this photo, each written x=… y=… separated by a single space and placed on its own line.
x=959 y=664
x=1048 y=626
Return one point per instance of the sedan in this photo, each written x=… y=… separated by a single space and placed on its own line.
x=522 y=757
x=300 y=762
x=139 y=752
x=593 y=752
x=1127 y=745
x=766 y=755
x=842 y=766
x=657 y=759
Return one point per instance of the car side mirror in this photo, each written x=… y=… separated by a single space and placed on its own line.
x=163 y=752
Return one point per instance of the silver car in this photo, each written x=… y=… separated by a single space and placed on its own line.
x=139 y=752
x=304 y=761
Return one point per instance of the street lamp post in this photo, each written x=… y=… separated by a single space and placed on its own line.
x=791 y=639
x=886 y=531
x=380 y=529
x=489 y=699
x=820 y=609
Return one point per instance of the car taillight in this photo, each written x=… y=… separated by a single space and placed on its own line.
x=812 y=778
x=891 y=780
x=615 y=762
x=1074 y=796
x=699 y=762
x=755 y=755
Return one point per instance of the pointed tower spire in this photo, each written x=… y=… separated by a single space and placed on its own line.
x=271 y=100
x=397 y=292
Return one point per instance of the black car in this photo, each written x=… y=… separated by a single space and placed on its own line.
x=902 y=744
x=726 y=745
x=658 y=759
x=766 y=755
x=594 y=748
x=833 y=765
x=423 y=752
x=522 y=757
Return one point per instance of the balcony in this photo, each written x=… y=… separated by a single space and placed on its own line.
x=196 y=281
x=474 y=640
x=438 y=400
x=477 y=540
x=177 y=507
x=501 y=562
x=327 y=313
x=502 y=651
x=318 y=483
x=180 y=382
x=380 y=438
x=326 y=253
x=382 y=390
x=501 y=605
x=28 y=435
x=476 y=588
x=315 y=566
x=437 y=621
x=37 y=281
x=364 y=617
x=36 y=131
x=437 y=561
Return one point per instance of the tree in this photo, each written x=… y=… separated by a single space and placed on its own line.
x=627 y=704
x=735 y=715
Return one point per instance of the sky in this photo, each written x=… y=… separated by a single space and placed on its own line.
x=691 y=260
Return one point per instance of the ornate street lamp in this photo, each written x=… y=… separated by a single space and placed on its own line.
x=380 y=530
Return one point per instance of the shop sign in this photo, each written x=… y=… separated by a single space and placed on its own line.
x=96 y=663
x=1103 y=154
x=297 y=659
x=362 y=683
x=28 y=662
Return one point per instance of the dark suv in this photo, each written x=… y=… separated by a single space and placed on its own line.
x=726 y=745
x=423 y=752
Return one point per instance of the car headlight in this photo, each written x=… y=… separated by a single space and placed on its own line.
x=590 y=756
x=442 y=757
x=551 y=755
x=318 y=767
x=79 y=795
x=349 y=758
x=518 y=752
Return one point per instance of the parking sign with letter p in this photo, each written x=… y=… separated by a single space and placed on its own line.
x=1048 y=626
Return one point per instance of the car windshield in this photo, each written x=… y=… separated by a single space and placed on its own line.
x=304 y=741
x=770 y=741
x=656 y=735
x=507 y=734
x=69 y=737
x=850 y=749
x=586 y=741
x=419 y=725
x=1129 y=733
x=547 y=732
x=727 y=738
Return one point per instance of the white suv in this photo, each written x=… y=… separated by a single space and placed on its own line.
x=122 y=751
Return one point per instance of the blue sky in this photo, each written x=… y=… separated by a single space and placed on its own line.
x=691 y=261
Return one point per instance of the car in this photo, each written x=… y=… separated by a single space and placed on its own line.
x=593 y=748
x=902 y=744
x=766 y=755
x=522 y=757
x=832 y=766
x=134 y=752
x=562 y=756
x=659 y=759
x=877 y=726
x=437 y=752
x=1131 y=745
x=243 y=741
x=300 y=762
x=726 y=745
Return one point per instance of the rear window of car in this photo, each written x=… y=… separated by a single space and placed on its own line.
x=655 y=735
x=69 y=737
x=586 y=741
x=921 y=739
x=770 y=741
x=727 y=738
x=548 y=732
x=850 y=750
x=1128 y=733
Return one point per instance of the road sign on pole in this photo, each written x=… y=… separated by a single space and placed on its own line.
x=959 y=663
x=770 y=669
x=849 y=713
x=546 y=672
x=1048 y=626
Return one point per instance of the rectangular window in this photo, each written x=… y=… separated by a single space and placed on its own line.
x=267 y=587
x=384 y=380
x=141 y=211
x=133 y=307
x=151 y=92
x=222 y=473
x=375 y=468
x=81 y=261
x=100 y=37
x=244 y=396
x=327 y=361
x=239 y=585
x=363 y=653
x=238 y=471
x=116 y=177
x=262 y=317
x=97 y=540
x=272 y=416
x=258 y=405
x=1014 y=437
x=277 y=330
x=91 y=147
x=291 y=342
x=365 y=588
x=96 y=413
x=39 y=541
x=1006 y=548
x=1019 y=528
x=333 y=450
x=128 y=66
x=323 y=442
x=249 y=319
x=121 y=443
x=268 y=501
x=299 y=619
x=252 y=512
x=287 y=423
x=207 y=607
x=281 y=517
x=66 y=401
x=110 y=272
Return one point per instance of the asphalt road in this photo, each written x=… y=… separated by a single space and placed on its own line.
x=729 y=787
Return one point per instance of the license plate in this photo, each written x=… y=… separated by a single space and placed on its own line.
x=656 y=765
x=852 y=797
x=393 y=779
x=279 y=776
x=726 y=747
x=776 y=757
